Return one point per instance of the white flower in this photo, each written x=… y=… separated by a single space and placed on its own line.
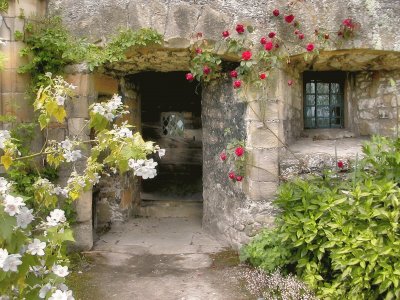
x=36 y=247
x=109 y=116
x=44 y=290
x=99 y=109
x=58 y=190
x=96 y=178
x=66 y=144
x=72 y=87
x=12 y=262
x=60 y=100
x=71 y=156
x=135 y=164
x=161 y=152
x=147 y=170
x=124 y=133
x=4 y=136
x=61 y=295
x=60 y=271
x=3 y=256
x=4 y=185
x=56 y=216
x=13 y=205
x=25 y=217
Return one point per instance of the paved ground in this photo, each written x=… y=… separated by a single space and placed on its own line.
x=166 y=259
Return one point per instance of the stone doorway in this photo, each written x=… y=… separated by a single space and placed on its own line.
x=170 y=115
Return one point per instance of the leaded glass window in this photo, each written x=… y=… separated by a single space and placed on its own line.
x=172 y=124
x=323 y=99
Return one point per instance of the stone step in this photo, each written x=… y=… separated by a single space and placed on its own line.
x=170 y=209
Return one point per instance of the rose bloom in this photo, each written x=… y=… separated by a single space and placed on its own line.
x=271 y=35
x=296 y=32
x=246 y=55
x=225 y=34
x=222 y=156
x=263 y=76
x=206 y=70
x=301 y=36
x=231 y=175
x=340 y=164
x=189 y=76
x=348 y=23
x=234 y=74
x=290 y=82
x=268 y=46
x=239 y=151
x=310 y=47
x=240 y=28
x=199 y=51
x=276 y=46
x=237 y=84
x=239 y=178
x=263 y=40
x=276 y=12
x=289 y=19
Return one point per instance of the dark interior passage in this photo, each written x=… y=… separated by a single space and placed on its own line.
x=171 y=117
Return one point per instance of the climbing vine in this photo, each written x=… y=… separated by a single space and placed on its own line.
x=256 y=61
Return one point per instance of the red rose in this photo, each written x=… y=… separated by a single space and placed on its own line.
x=290 y=82
x=263 y=76
x=268 y=46
x=199 y=34
x=222 y=156
x=234 y=74
x=199 y=51
x=237 y=84
x=246 y=55
x=206 y=70
x=301 y=36
x=276 y=46
x=296 y=32
x=340 y=164
x=240 y=28
x=225 y=34
x=289 y=19
x=276 y=12
x=348 y=23
x=239 y=178
x=310 y=47
x=239 y=151
x=189 y=76
x=231 y=175
x=271 y=35
x=263 y=40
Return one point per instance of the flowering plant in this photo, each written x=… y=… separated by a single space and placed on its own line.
x=33 y=263
x=235 y=156
x=256 y=60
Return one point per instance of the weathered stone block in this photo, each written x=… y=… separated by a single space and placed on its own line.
x=75 y=126
x=83 y=207
x=105 y=85
x=266 y=136
x=261 y=190
x=263 y=164
x=83 y=234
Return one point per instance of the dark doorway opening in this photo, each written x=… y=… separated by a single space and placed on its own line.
x=171 y=117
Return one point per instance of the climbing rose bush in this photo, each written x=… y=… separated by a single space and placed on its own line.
x=33 y=261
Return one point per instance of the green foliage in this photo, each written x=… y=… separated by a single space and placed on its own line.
x=341 y=237
x=18 y=35
x=52 y=48
x=3 y=5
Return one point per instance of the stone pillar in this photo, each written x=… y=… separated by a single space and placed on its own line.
x=78 y=116
x=13 y=86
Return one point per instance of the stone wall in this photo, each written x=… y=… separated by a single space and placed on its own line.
x=182 y=18
x=377 y=103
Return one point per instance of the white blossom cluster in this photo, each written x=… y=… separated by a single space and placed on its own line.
x=9 y=262
x=4 y=137
x=60 y=293
x=48 y=187
x=76 y=179
x=69 y=153
x=144 y=168
x=60 y=90
x=111 y=109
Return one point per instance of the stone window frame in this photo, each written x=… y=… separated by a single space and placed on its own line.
x=331 y=77
x=172 y=130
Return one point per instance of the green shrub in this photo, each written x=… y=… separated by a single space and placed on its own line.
x=340 y=236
